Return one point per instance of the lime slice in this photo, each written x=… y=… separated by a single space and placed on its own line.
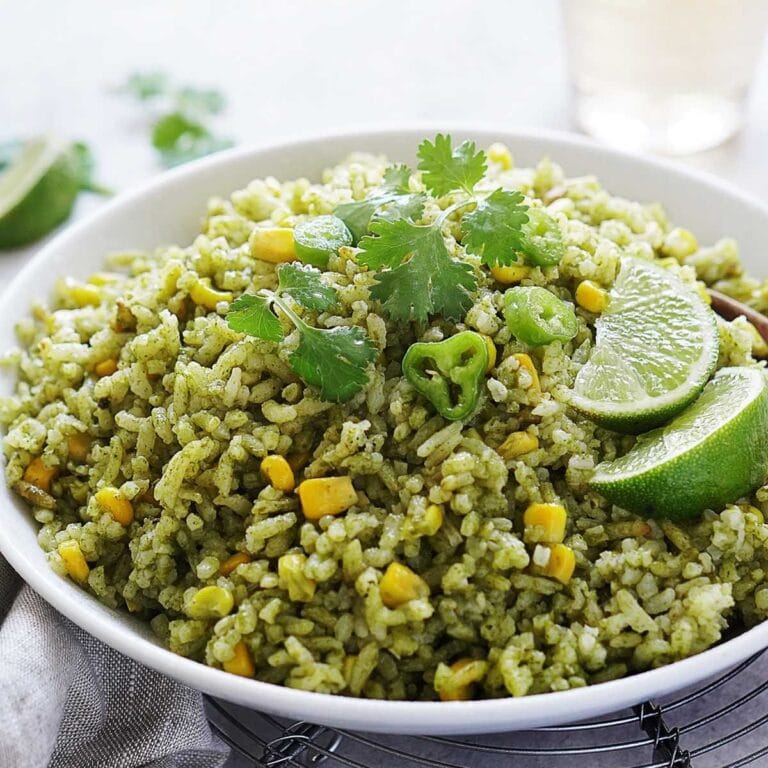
x=656 y=346
x=710 y=455
x=37 y=191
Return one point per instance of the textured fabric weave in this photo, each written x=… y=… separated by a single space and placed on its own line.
x=69 y=701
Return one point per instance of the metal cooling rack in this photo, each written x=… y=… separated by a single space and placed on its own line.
x=716 y=725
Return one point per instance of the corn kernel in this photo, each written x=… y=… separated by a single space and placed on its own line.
x=526 y=362
x=241 y=663
x=510 y=275
x=272 y=244
x=749 y=509
x=105 y=367
x=679 y=243
x=562 y=563
x=400 y=585
x=204 y=295
x=433 y=519
x=78 y=446
x=115 y=504
x=322 y=496
x=211 y=602
x=74 y=561
x=290 y=572
x=518 y=444
x=499 y=153
x=39 y=474
x=82 y=294
x=104 y=278
x=232 y=562
x=278 y=472
x=464 y=673
x=491 y=347
x=591 y=297
x=548 y=520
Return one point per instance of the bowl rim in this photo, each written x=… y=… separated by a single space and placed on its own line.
x=481 y=716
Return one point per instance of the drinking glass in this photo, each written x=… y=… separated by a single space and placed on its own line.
x=669 y=76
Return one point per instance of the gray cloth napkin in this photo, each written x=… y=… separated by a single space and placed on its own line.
x=69 y=701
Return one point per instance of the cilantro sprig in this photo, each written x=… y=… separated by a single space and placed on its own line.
x=181 y=116
x=421 y=277
x=334 y=360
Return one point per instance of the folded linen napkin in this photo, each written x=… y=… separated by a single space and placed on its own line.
x=69 y=701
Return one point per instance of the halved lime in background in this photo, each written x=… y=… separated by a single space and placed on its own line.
x=37 y=190
x=710 y=455
x=656 y=347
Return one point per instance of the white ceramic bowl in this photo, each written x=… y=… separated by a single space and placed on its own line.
x=168 y=210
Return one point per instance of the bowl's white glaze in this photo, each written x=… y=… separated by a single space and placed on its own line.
x=168 y=210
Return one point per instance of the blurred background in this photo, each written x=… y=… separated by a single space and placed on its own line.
x=291 y=67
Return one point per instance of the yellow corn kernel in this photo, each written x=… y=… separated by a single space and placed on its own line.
x=562 y=563
x=278 y=472
x=241 y=663
x=290 y=573
x=510 y=275
x=679 y=243
x=78 y=446
x=433 y=519
x=82 y=294
x=463 y=673
x=105 y=367
x=548 y=520
x=211 y=602
x=232 y=562
x=526 y=362
x=518 y=444
x=749 y=509
x=272 y=244
x=322 y=496
x=39 y=474
x=591 y=297
x=204 y=295
x=74 y=561
x=499 y=153
x=104 y=278
x=491 y=347
x=115 y=504
x=400 y=584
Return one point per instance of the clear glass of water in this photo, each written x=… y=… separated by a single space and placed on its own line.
x=668 y=76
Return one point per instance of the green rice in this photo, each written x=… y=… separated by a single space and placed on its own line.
x=183 y=423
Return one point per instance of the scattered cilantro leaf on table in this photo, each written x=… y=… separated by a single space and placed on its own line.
x=334 y=360
x=494 y=229
x=180 y=125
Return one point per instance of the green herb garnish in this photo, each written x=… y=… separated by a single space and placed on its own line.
x=180 y=124
x=334 y=360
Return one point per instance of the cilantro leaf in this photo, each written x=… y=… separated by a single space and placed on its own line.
x=252 y=314
x=396 y=178
x=334 y=360
x=358 y=215
x=495 y=229
x=146 y=85
x=446 y=169
x=200 y=100
x=429 y=282
x=404 y=207
x=83 y=159
x=302 y=282
x=180 y=138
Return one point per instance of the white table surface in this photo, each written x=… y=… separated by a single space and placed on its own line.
x=298 y=66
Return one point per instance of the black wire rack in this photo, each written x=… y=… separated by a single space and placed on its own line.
x=715 y=725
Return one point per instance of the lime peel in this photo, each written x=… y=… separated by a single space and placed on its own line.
x=710 y=455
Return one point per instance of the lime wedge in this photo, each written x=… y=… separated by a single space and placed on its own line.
x=656 y=346
x=710 y=455
x=37 y=191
